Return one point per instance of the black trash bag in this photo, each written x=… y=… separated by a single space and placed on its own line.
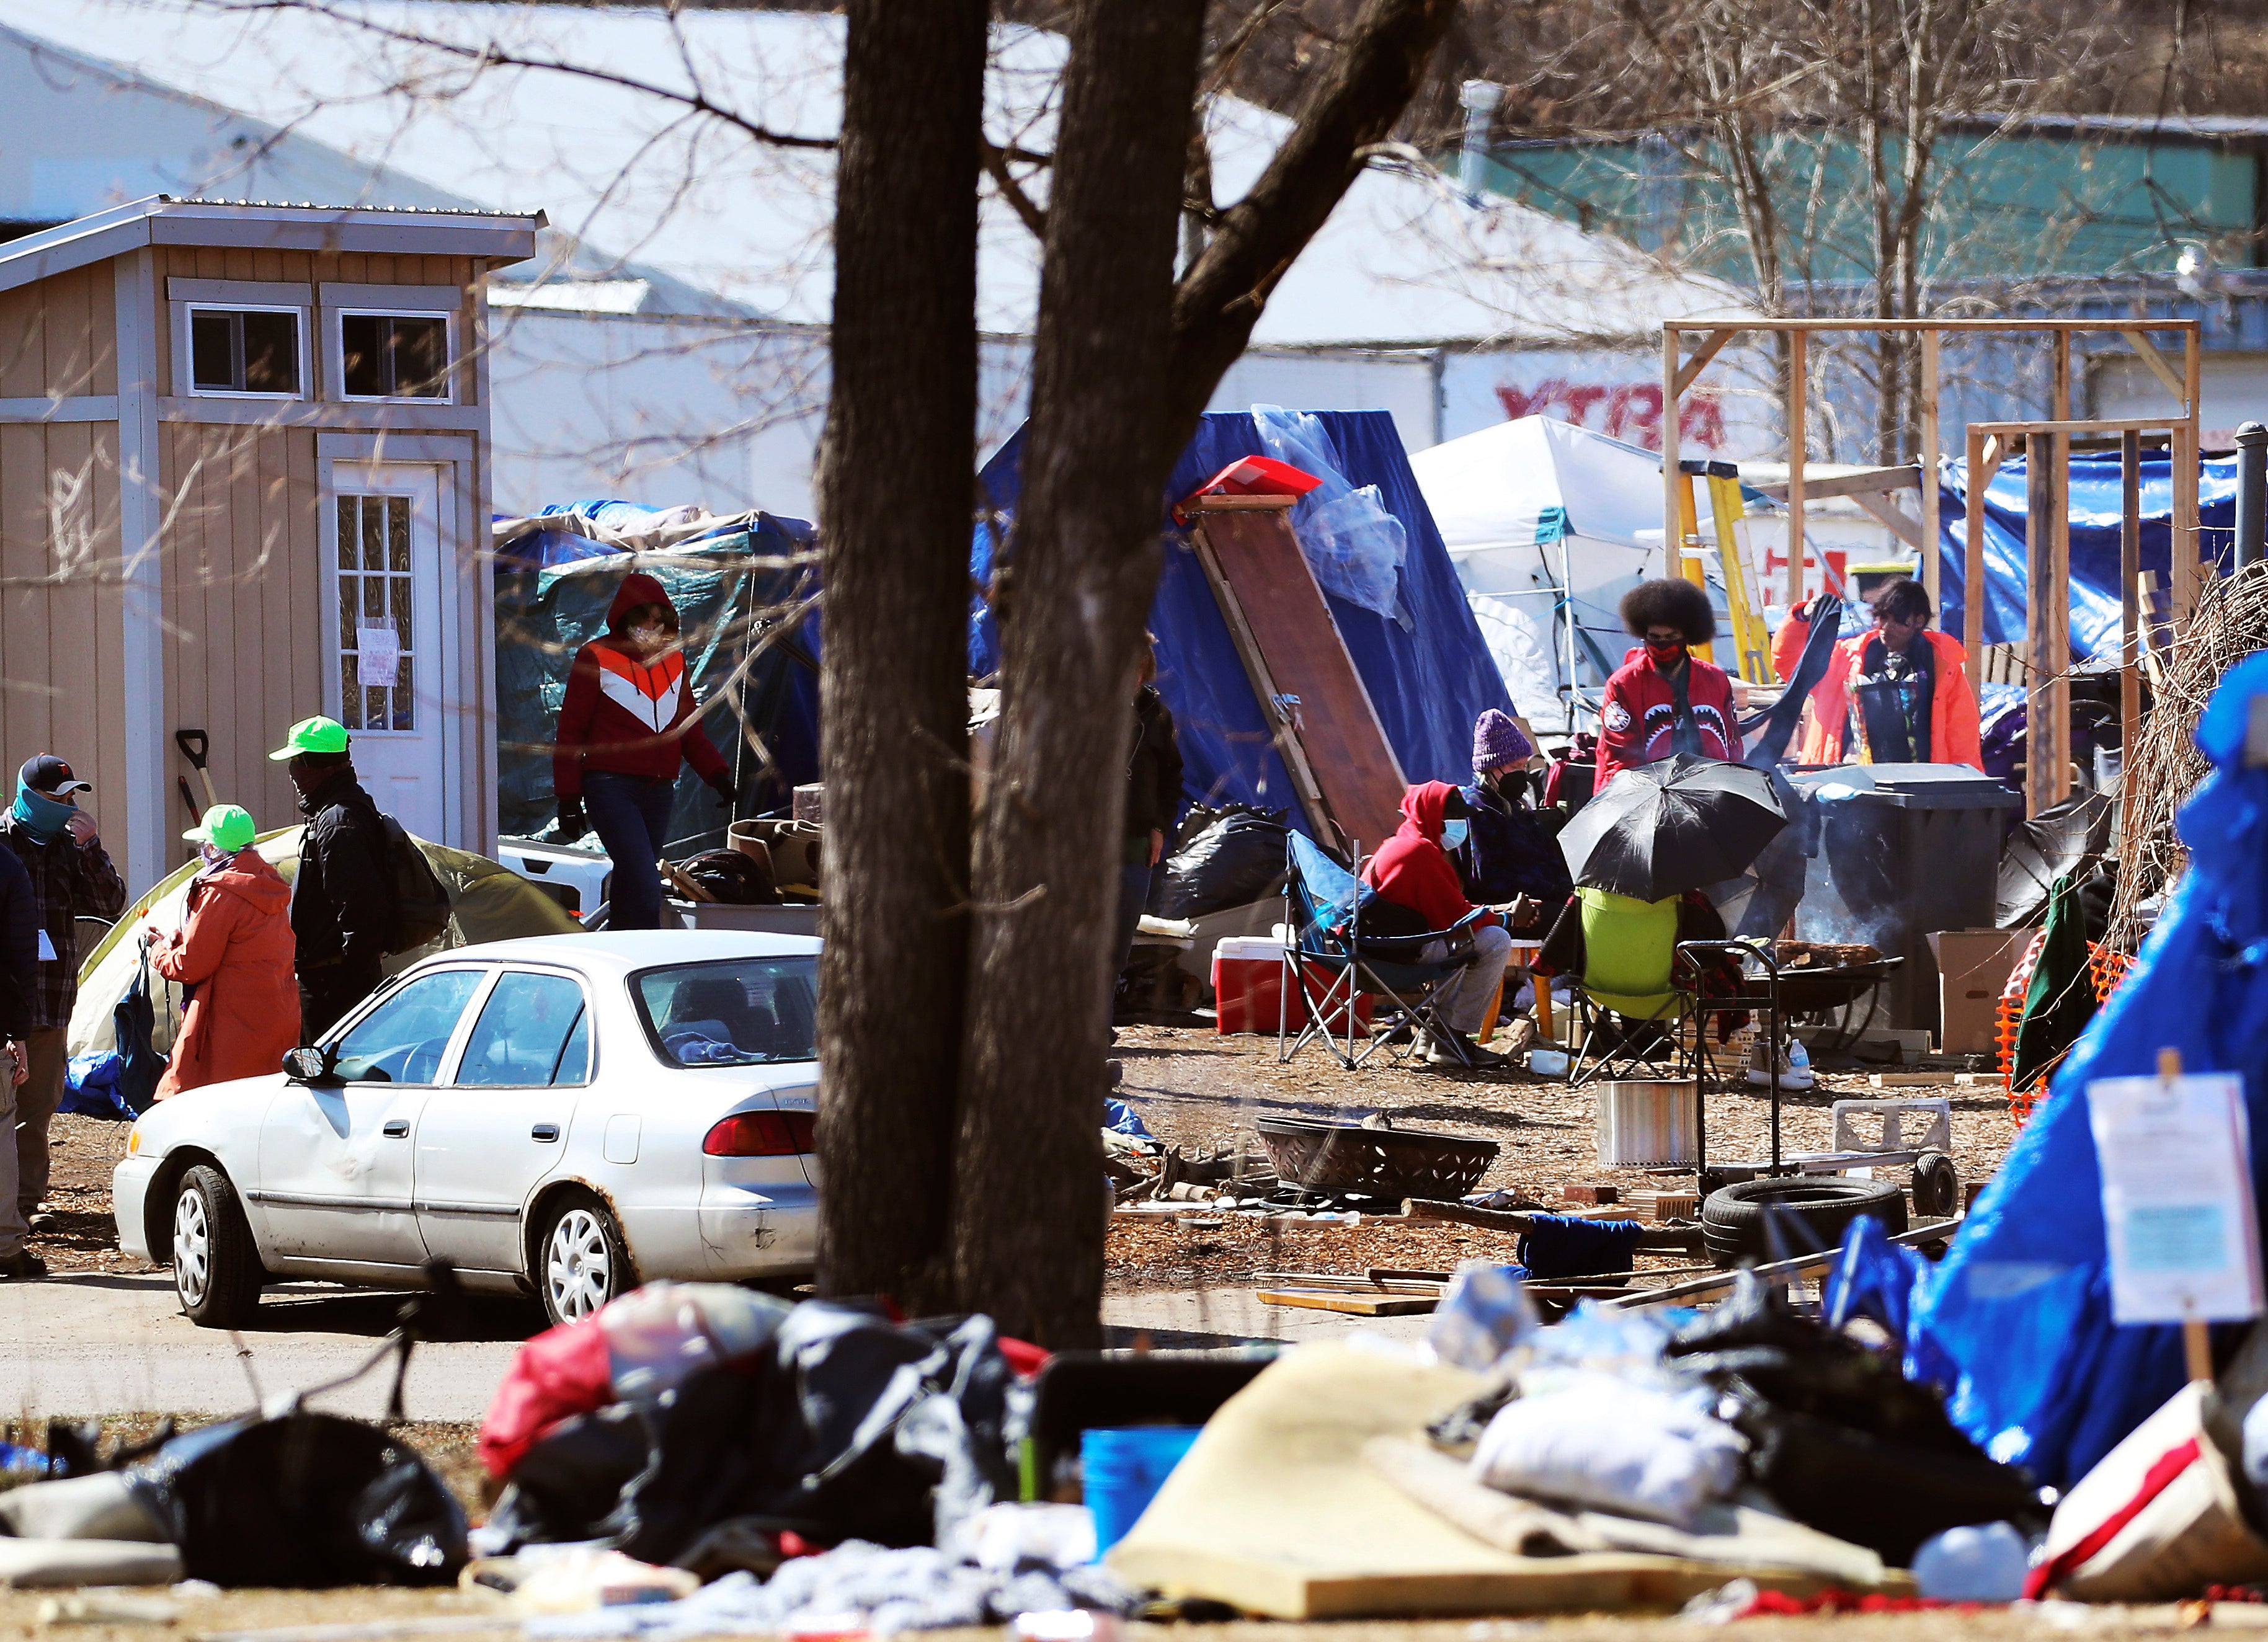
x=305 y=1500
x=1226 y=858
x=1839 y=1437
x=571 y=1479
x=827 y=1433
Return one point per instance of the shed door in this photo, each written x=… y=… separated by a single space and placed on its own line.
x=386 y=670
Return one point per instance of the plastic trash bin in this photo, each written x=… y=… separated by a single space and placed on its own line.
x=1903 y=850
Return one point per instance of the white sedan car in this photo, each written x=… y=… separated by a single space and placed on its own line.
x=567 y=1117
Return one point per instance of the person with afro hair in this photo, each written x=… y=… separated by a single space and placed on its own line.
x=1664 y=699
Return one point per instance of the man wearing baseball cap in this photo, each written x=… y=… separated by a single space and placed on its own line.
x=71 y=878
x=342 y=913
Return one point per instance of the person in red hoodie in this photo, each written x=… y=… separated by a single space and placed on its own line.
x=1412 y=870
x=1664 y=699
x=628 y=721
x=234 y=952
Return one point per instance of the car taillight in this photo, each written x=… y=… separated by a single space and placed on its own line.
x=759 y=1135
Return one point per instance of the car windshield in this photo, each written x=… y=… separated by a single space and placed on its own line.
x=743 y=1011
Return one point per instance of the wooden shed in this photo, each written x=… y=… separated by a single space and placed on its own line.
x=244 y=478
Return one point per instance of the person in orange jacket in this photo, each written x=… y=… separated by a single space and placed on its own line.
x=1904 y=685
x=234 y=952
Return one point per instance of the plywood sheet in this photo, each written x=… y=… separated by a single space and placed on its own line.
x=1275 y=1510
x=1279 y=609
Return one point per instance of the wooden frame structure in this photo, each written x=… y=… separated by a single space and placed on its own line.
x=2047 y=602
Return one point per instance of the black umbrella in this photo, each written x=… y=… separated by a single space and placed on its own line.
x=1663 y=829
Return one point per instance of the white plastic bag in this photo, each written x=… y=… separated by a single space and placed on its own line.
x=1607 y=1443
x=1354 y=545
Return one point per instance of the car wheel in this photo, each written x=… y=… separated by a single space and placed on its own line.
x=216 y=1271
x=581 y=1261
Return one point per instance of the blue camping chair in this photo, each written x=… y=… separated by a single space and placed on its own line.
x=1326 y=903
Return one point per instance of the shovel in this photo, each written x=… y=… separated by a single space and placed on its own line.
x=195 y=744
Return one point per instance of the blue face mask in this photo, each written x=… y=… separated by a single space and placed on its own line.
x=42 y=816
x=1453 y=833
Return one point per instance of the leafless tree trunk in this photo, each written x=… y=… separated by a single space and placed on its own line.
x=1027 y=1243
x=894 y=501
x=1124 y=364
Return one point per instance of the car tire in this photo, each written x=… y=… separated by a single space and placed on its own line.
x=1814 y=1210
x=216 y=1271
x=580 y=1259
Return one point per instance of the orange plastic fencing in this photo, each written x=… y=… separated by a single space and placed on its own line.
x=2106 y=968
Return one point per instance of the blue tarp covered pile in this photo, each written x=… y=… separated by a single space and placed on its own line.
x=2015 y=1320
x=1428 y=672
x=551 y=596
x=2096 y=485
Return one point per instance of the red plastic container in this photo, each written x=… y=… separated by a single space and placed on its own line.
x=1248 y=984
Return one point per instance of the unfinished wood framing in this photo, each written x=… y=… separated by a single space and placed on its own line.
x=2048 y=574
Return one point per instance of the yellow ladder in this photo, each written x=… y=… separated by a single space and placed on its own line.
x=1751 y=644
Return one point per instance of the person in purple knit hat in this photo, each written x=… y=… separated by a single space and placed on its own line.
x=1509 y=852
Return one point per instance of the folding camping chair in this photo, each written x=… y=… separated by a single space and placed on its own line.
x=1629 y=955
x=1326 y=903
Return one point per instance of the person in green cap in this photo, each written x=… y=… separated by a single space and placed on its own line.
x=234 y=952
x=343 y=913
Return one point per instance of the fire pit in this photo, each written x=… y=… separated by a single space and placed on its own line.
x=1389 y=1163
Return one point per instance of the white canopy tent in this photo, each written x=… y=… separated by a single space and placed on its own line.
x=1548 y=525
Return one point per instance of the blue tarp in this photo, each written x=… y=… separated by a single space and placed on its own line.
x=2096 y=486
x=2015 y=1322
x=1428 y=681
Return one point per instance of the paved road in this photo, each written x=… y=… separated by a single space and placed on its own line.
x=92 y=1343
x=95 y=1343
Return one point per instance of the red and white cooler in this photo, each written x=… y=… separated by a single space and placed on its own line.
x=1248 y=984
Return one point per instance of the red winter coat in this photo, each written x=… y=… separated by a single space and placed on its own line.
x=623 y=716
x=1411 y=869
x=1634 y=725
x=235 y=949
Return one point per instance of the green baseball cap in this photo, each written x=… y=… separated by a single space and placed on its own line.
x=312 y=735
x=225 y=827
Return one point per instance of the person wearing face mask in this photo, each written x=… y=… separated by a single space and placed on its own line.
x=1510 y=852
x=71 y=877
x=1418 y=890
x=234 y=952
x=343 y=919
x=1664 y=699
x=628 y=722
x=1897 y=695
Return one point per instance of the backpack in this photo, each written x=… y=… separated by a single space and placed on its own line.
x=421 y=905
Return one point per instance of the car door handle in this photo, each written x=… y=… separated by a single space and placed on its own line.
x=395 y=1128
x=544 y=1132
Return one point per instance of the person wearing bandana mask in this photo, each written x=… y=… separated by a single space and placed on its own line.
x=234 y=953
x=626 y=724
x=72 y=877
x=1664 y=699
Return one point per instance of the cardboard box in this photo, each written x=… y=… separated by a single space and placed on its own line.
x=1972 y=967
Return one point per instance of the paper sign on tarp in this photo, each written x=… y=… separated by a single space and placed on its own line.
x=378 y=657
x=2177 y=1206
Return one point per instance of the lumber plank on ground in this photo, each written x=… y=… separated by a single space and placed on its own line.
x=1674 y=1237
x=1349 y=1304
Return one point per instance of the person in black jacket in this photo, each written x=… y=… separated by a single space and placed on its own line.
x=1153 y=802
x=19 y=956
x=342 y=900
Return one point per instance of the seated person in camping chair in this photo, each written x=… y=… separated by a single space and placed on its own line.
x=1412 y=872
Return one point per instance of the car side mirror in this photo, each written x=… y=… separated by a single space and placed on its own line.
x=312 y=1065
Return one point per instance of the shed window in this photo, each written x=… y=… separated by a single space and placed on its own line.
x=245 y=350
x=393 y=356
x=375 y=592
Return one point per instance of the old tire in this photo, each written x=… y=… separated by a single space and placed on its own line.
x=581 y=1261
x=1812 y=1210
x=216 y=1271
x=1936 y=1187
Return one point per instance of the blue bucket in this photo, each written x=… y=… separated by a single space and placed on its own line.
x=1124 y=1470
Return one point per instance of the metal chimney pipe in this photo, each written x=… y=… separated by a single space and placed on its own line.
x=2251 y=493
x=1479 y=99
